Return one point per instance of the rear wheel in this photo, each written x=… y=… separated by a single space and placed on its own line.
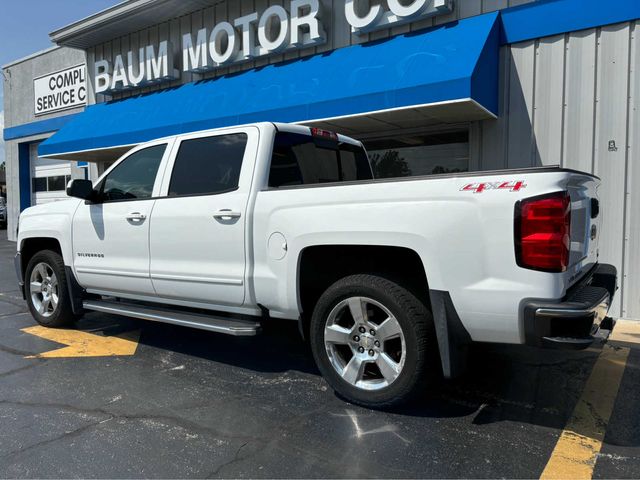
x=46 y=290
x=373 y=341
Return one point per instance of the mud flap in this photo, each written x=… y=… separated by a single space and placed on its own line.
x=76 y=292
x=453 y=338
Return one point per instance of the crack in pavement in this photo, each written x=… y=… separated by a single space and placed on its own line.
x=263 y=443
x=71 y=434
x=178 y=421
x=14 y=351
x=230 y=462
x=19 y=369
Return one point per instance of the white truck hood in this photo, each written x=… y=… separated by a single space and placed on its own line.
x=52 y=208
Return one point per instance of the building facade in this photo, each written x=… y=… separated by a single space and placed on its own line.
x=430 y=86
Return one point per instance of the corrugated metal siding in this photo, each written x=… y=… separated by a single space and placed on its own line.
x=338 y=32
x=565 y=98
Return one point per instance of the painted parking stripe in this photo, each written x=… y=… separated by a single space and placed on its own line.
x=575 y=454
x=85 y=344
x=626 y=333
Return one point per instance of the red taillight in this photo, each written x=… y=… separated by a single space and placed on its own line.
x=542 y=232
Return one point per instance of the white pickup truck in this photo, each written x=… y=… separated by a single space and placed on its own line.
x=390 y=279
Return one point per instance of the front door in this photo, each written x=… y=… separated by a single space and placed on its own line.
x=197 y=236
x=111 y=235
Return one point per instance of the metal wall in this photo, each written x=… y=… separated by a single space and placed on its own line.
x=574 y=100
x=333 y=18
x=19 y=110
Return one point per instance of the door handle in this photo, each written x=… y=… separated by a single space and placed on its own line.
x=226 y=214
x=136 y=217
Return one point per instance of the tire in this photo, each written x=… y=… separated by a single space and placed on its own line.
x=352 y=362
x=47 y=269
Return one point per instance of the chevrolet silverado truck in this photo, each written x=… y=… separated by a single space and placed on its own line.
x=389 y=279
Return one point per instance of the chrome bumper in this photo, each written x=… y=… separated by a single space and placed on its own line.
x=575 y=321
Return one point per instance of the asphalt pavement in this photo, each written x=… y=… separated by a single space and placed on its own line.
x=182 y=403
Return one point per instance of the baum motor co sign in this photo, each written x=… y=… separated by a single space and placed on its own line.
x=258 y=34
x=60 y=90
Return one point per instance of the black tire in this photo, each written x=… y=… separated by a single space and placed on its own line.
x=421 y=364
x=62 y=315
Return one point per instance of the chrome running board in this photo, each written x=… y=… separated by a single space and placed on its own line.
x=212 y=323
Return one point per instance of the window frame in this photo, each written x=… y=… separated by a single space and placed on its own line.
x=99 y=184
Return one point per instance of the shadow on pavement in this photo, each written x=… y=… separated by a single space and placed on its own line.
x=503 y=383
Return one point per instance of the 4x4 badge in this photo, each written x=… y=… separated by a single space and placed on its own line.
x=481 y=187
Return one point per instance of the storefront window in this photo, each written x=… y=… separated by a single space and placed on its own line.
x=54 y=183
x=414 y=155
x=40 y=184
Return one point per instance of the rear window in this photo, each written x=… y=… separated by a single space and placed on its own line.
x=304 y=160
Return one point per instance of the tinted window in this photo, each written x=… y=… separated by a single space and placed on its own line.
x=56 y=183
x=135 y=176
x=40 y=184
x=208 y=165
x=301 y=159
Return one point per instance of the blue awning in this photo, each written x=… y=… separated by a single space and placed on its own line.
x=449 y=63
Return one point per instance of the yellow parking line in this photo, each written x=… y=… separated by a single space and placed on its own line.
x=84 y=344
x=626 y=332
x=575 y=454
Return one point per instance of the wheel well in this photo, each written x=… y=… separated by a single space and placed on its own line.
x=321 y=266
x=31 y=246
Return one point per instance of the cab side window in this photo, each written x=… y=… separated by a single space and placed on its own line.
x=210 y=165
x=133 y=179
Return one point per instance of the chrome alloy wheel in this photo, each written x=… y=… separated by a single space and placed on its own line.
x=365 y=343
x=43 y=287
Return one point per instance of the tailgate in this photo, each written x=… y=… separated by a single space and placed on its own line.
x=585 y=224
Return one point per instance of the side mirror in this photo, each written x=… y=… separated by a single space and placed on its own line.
x=80 y=188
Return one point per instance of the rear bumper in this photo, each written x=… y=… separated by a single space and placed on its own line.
x=575 y=321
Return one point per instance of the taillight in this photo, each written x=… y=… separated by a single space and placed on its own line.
x=542 y=232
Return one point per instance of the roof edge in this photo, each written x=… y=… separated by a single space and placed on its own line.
x=29 y=57
x=124 y=8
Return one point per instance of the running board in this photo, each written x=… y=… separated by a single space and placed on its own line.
x=212 y=323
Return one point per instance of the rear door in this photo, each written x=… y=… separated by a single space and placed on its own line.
x=198 y=229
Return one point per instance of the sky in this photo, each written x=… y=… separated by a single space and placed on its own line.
x=25 y=26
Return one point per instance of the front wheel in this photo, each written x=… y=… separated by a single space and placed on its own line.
x=373 y=341
x=46 y=290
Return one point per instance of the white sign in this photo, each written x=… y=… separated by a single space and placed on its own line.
x=61 y=90
x=277 y=29
x=273 y=31
x=364 y=17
